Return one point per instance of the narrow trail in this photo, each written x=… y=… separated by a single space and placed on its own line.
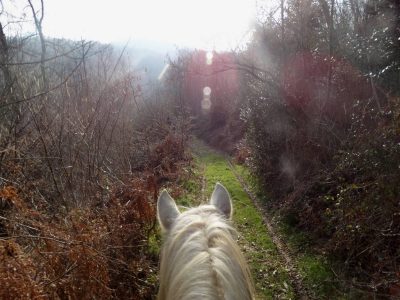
x=267 y=263
x=300 y=290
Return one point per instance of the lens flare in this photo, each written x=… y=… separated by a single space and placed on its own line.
x=206 y=102
x=207 y=91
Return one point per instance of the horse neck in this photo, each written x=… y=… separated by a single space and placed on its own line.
x=200 y=259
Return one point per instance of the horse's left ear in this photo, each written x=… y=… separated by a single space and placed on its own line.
x=220 y=199
x=167 y=211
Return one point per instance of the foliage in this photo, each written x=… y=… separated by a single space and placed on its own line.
x=17 y=274
x=83 y=153
x=84 y=253
x=190 y=75
x=352 y=207
x=322 y=129
x=98 y=250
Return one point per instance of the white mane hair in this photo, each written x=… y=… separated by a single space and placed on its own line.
x=200 y=258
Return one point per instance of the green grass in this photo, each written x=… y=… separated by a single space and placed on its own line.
x=154 y=242
x=269 y=273
x=271 y=278
x=315 y=269
x=192 y=193
x=316 y=275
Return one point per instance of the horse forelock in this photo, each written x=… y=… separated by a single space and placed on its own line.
x=200 y=259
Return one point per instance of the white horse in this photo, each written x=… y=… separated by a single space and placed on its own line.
x=200 y=258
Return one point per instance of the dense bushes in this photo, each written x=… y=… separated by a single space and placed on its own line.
x=83 y=152
x=100 y=249
x=322 y=134
x=352 y=206
x=80 y=254
x=344 y=191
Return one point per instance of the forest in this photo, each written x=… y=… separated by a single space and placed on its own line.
x=306 y=115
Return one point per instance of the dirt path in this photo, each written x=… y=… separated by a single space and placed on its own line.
x=297 y=280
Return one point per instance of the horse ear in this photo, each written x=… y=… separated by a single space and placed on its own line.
x=167 y=211
x=220 y=199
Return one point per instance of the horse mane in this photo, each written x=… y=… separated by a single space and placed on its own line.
x=200 y=259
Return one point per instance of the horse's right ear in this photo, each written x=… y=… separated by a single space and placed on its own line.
x=220 y=199
x=167 y=211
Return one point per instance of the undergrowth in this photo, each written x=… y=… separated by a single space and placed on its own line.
x=314 y=267
x=102 y=249
x=85 y=253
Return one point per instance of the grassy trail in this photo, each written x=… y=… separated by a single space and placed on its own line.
x=270 y=272
x=281 y=270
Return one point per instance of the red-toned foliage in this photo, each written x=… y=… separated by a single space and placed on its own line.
x=98 y=250
x=86 y=253
x=17 y=274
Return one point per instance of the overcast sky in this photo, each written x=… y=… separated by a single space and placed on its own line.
x=207 y=24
